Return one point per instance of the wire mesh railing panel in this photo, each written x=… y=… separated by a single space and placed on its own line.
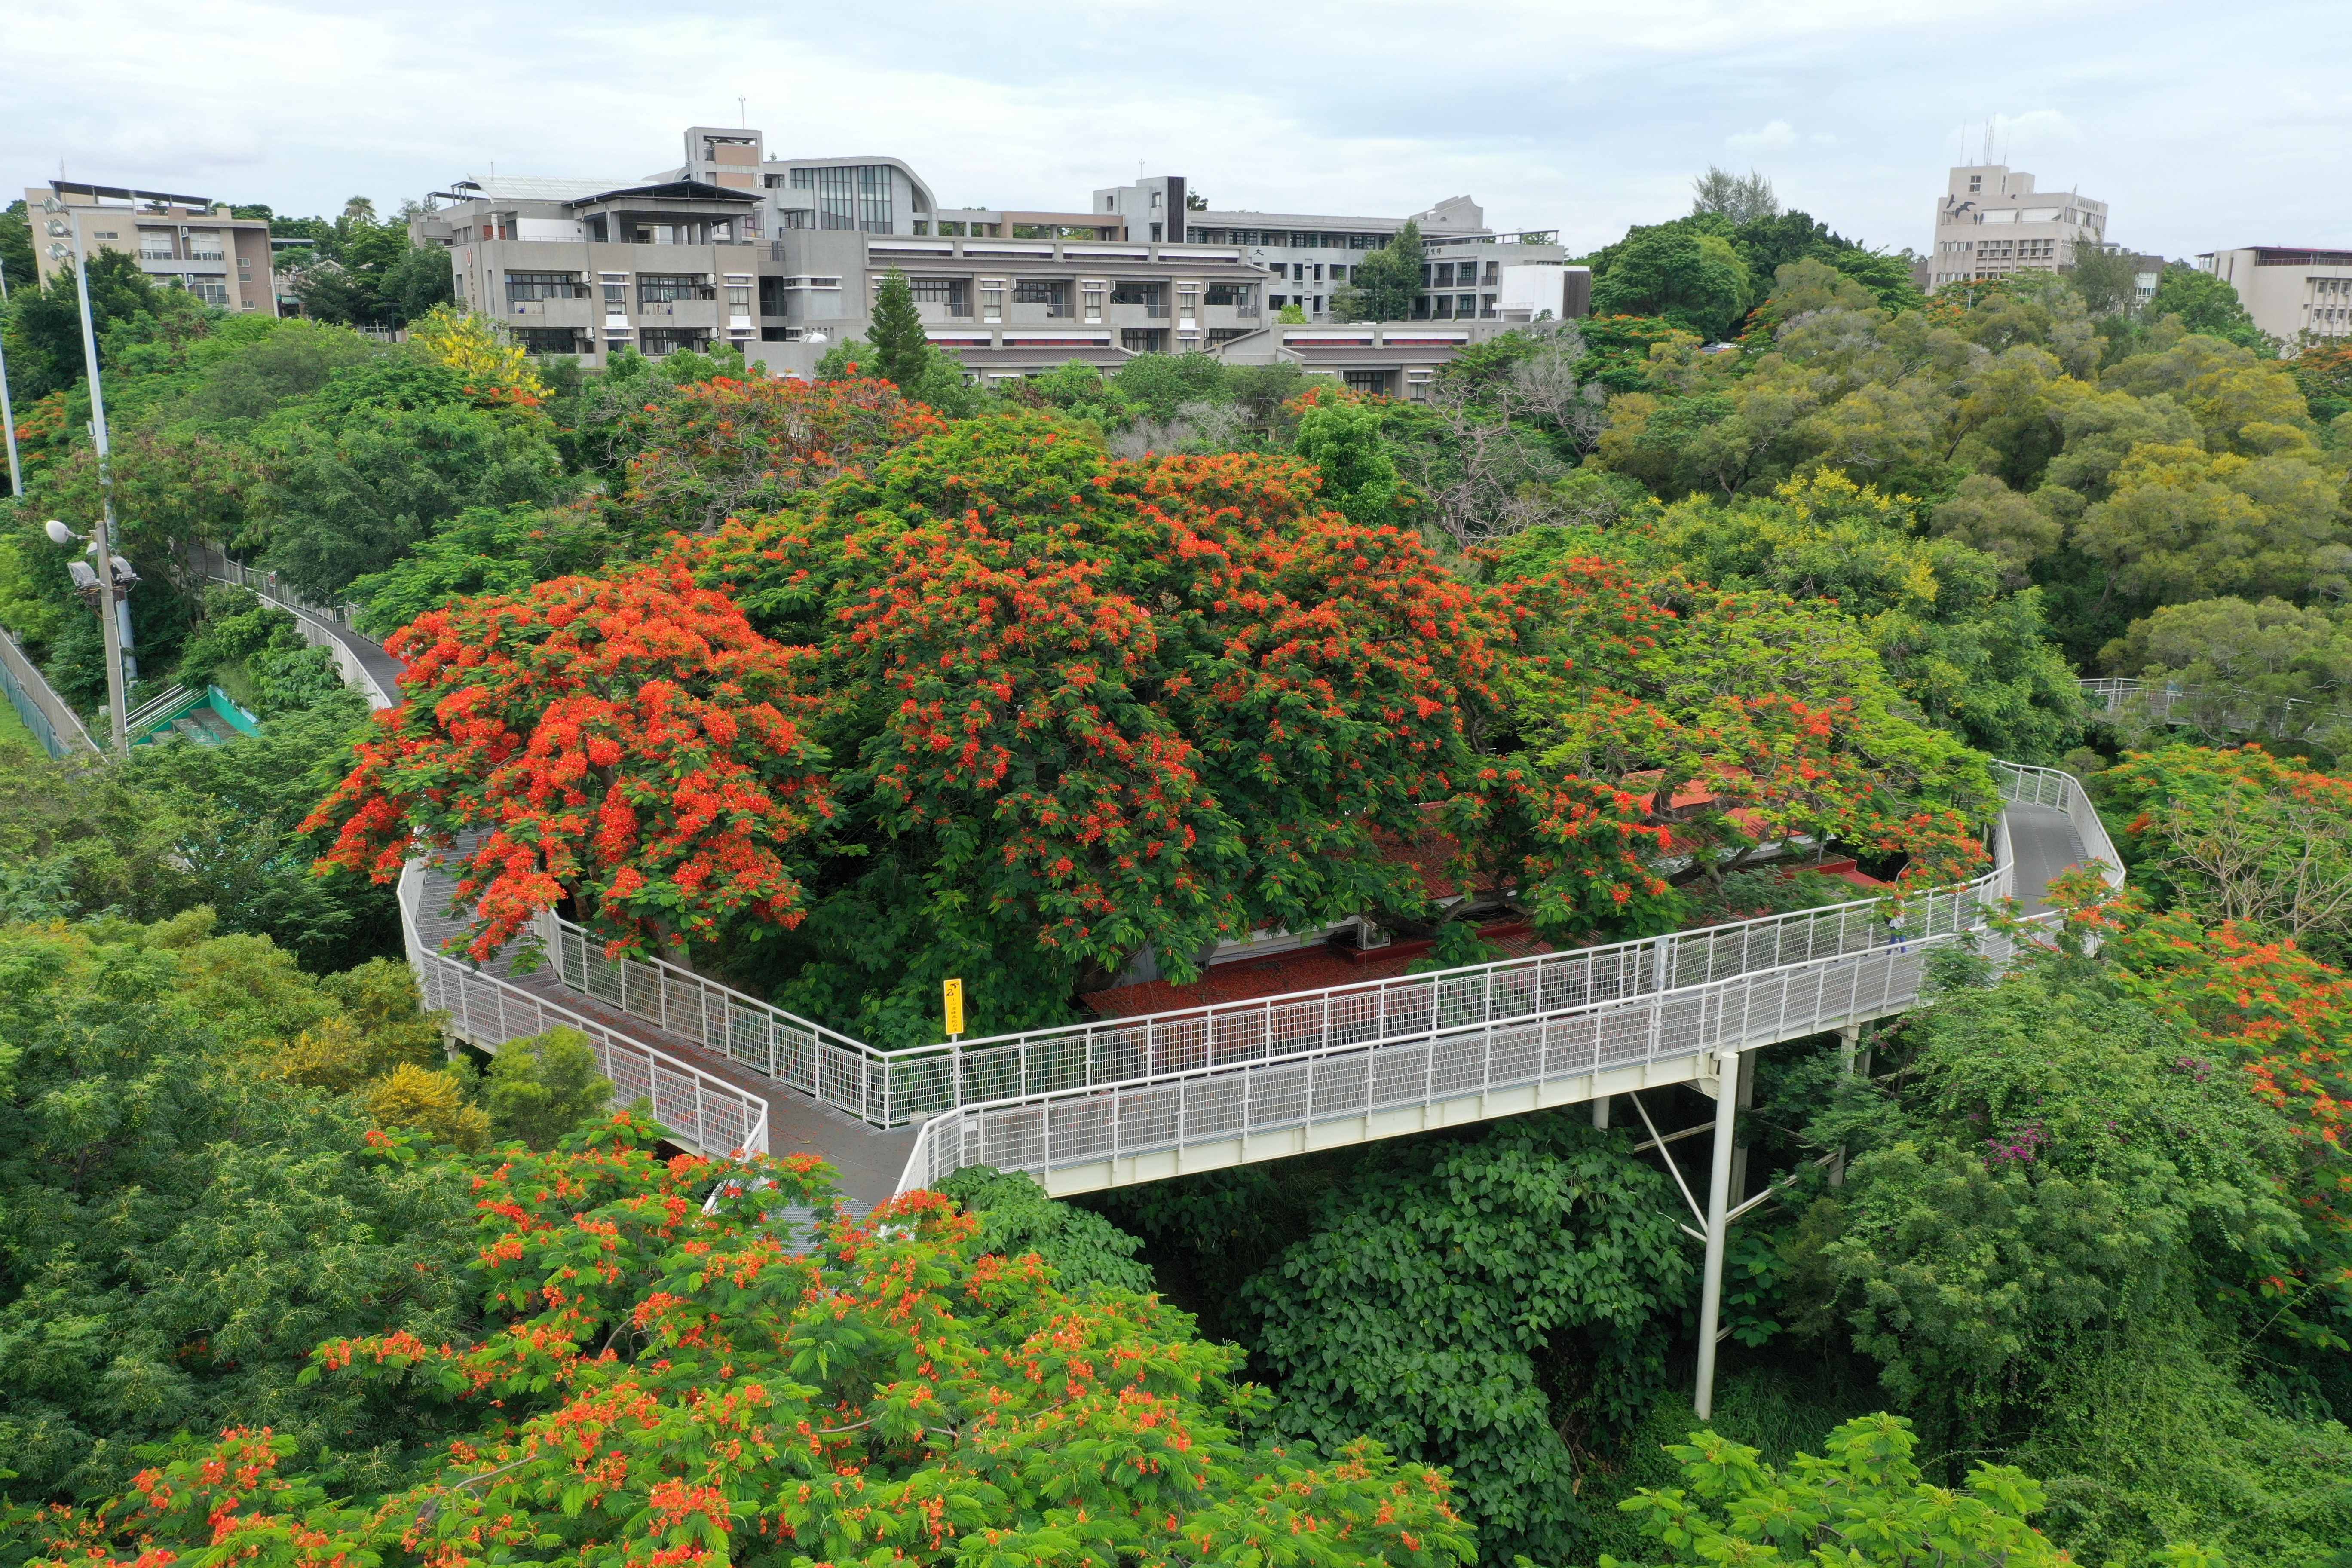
x=709 y=1112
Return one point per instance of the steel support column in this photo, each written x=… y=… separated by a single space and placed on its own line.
x=1849 y=1052
x=1718 y=1230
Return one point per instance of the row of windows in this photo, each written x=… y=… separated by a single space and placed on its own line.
x=1446 y=274
x=853 y=197
x=1056 y=295
x=1290 y=238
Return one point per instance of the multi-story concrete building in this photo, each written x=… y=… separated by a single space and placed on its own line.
x=2289 y=290
x=782 y=256
x=188 y=242
x=1993 y=222
x=1474 y=273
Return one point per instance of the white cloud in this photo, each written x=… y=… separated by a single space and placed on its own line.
x=1594 y=116
x=1775 y=137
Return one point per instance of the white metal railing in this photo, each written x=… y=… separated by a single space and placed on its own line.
x=155 y=706
x=823 y=1063
x=2230 y=707
x=888 y=1087
x=48 y=715
x=716 y=1116
x=320 y=627
x=1324 y=1075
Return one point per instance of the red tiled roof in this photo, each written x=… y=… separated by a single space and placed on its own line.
x=1312 y=968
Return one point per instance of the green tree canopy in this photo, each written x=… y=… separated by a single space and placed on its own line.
x=2207 y=305
x=1387 y=282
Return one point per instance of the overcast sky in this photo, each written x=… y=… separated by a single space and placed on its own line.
x=2200 y=125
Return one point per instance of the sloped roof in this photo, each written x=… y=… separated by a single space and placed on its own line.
x=672 y=190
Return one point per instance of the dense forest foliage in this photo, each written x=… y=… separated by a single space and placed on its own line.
x=837 y=687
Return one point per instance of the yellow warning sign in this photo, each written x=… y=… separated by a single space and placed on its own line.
x=955 y=1007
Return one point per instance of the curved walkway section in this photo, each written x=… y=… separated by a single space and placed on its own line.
x=1130 y=1099
x=361 y=659
x=490 y=1004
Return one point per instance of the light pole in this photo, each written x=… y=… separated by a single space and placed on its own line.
x=103 y=540
x=9 y=414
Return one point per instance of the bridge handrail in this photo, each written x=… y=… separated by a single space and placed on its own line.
x=1084 y=1111
x=48 y=715
x=2112 y=693
x=718 y=1116
x=888 y=1087
x=317 y=622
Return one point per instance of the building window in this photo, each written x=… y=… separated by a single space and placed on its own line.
x=1227 y=334
x=204 y=244
x=1143 y=340
x=1494 y=274
x=1465 y=307
x=854 y=196
x=955 y=293
x=1486 y=307
x=211 y=291
x=1373 y=382
x=1051 y=292
x=1091 y=289
x=522 y=287
x=1275 y=302
x=1440 y=308
x=659 y=341
x=1242 y=297
x=738 y=295
x=616 y=292
x=1152 y=297
x=550 y=341
x=156 y=245
x=992 y=299
x=666 y=288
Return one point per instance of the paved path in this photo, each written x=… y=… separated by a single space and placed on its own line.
x=2041 y=843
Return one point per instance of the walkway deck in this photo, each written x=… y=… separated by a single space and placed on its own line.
x=1130 y=1099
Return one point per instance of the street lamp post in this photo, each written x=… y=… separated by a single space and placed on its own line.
x=104 y=534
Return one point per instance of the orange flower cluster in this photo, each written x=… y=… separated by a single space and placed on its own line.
x=890 y=1394
x=627 y=740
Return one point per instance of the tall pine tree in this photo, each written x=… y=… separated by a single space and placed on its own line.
x=903 y=353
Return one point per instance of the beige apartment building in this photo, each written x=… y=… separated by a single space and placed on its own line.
x=1991 y=223
x=190 y=242
x=2289 y=290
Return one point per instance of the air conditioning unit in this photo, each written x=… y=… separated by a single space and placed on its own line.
x=1371 y=937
